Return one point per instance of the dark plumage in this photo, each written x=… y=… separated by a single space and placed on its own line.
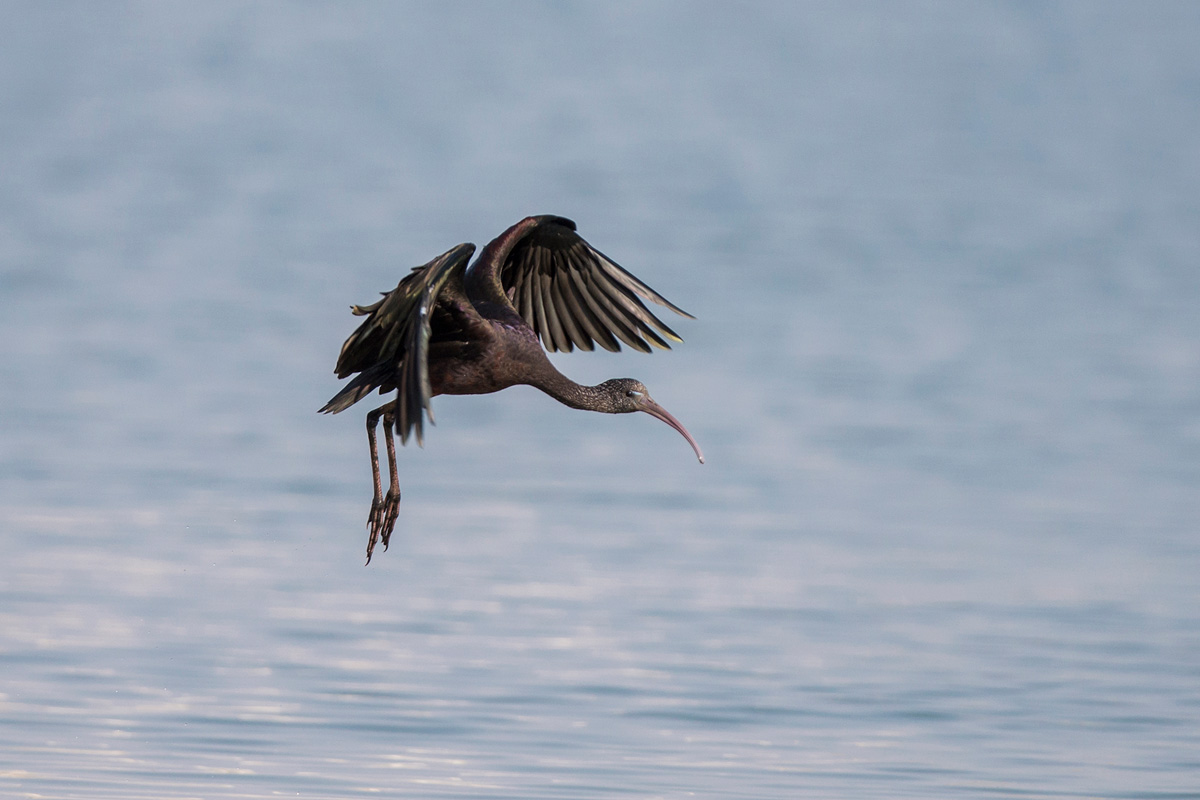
x=450 y=329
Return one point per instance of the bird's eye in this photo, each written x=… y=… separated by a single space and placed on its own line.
x=634 y=393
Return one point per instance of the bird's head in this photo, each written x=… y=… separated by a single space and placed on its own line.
x=628 y=395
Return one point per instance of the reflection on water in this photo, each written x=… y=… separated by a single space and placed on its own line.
x=945 y=375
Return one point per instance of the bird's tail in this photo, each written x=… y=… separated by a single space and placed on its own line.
x=363 y=384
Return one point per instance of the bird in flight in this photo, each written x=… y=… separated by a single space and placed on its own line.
x=452 y=329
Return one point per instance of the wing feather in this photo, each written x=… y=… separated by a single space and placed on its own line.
x=390 y=349
x=561 y=300
x=591 y=317
x=525 y=290
x=553 y=325
x=612 y=314
x=620 y=297
x=539 y=311
x=573 y=295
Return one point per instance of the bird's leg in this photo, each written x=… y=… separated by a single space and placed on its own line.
x=375 y=518
x=391 y=503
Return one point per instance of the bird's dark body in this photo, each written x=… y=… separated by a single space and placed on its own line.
x=452 y=329
x=492 y=361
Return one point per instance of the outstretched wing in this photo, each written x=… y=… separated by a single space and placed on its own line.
x=572 y=295
x=390 y=349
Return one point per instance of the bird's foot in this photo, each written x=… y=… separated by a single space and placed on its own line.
x=382 y=521
x=391 y=505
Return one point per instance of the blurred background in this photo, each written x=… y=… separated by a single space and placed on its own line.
x=945 y=370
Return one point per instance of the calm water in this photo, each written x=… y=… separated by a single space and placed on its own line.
x=945 y=260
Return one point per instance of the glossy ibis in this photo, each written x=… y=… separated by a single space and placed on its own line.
x=450 y=329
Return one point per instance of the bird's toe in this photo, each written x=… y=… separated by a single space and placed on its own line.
x=391 y=510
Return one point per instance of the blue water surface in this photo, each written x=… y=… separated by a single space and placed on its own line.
x=945 y=264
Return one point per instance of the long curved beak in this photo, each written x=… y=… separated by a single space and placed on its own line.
x=655 y=410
